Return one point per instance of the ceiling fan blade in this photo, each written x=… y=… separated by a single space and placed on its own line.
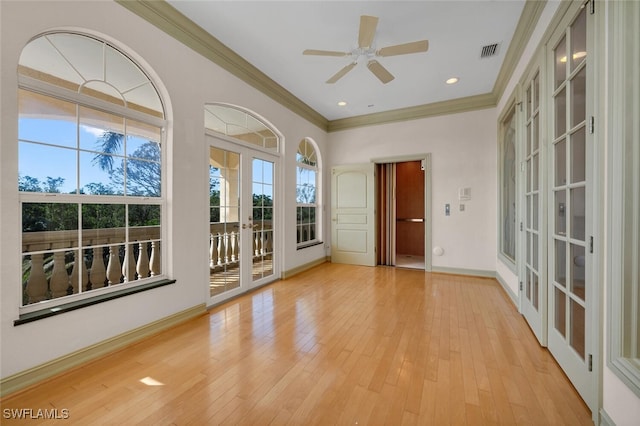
x=403 y=49
x=324 y=53
x=379 y=71
x=368 y=26
x=337 y=76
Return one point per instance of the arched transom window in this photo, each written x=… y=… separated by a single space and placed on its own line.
x=232 y=121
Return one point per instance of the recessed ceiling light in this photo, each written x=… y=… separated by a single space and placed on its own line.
x=342 y=103
x=452 y=80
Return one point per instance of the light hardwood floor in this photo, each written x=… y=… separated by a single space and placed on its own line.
x=334 y=345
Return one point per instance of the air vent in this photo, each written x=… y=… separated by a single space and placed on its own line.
x=489 y=50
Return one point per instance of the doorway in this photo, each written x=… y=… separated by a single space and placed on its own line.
x=242 y=219
x=403 y=200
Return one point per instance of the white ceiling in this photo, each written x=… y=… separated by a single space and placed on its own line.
x=272 y=35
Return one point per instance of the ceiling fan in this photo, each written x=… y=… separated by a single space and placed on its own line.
x=367 y=31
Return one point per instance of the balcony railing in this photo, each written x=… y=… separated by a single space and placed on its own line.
x=224 y=243
x=49 y=262
x=50 y=269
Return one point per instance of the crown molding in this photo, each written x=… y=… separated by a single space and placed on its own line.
x=470 y=103
x=165 y=17
x=526 y=25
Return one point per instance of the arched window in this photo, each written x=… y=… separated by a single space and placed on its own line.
x=90 y=134
x=307 y=194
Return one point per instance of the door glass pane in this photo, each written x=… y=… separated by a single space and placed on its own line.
x=577 y=327
x=534 y=173
x=560 y=113
x=577 y=271
x=578 y=156
x=528 y=139
x=579 y=39
x=560 y=58
x=560 y=206
x=536 y=92
x=560 y=310
x=224 y=214
x=534 y=137
x=262 y=218
x=529 y=211
x=577 y=213
x=534 y=288
x=578 y=91
x=534 y=211
x=534 y=249
x=561 y=163
x=527 y=283
x=560 y=262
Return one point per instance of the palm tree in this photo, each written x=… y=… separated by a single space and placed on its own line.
x=109 y=143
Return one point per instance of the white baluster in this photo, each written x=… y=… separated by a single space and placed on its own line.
x=59 y=281
x=226 y=248
x=98 y=273
x=220 y=242
x=213 y=251
x=129 y=263
x=76 y=281
x=269 y=238
x=257 y=243
x=155 y=258
x=233 y=246
x=143 y=261
x=37 y=282
x=114 y=269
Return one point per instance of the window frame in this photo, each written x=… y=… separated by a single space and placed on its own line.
x=508 y=115
x=33 y=311
x=623 y=225
x=316 y=205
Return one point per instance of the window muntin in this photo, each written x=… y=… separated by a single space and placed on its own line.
x=90 y=170
x=307 y=172
x=508 y=186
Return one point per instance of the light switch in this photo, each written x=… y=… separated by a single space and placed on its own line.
x=461 y=207
x=447 y=209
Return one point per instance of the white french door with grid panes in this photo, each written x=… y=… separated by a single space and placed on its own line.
x=571 y=306
x=242 y=219
x=532 y=273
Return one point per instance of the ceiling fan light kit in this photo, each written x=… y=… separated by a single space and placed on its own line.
x=366 y=33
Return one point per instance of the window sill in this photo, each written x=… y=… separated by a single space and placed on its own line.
x=308 y=244
x=78 y=304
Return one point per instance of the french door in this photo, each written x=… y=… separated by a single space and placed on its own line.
x=533 y=297
x=242 y=219
x=571 y=305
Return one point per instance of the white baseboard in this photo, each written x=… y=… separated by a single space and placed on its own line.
x=461 y=271
x=295 y=271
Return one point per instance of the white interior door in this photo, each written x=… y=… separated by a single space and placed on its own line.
x=243 y=211
x=571 y=302
x=353 y=214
